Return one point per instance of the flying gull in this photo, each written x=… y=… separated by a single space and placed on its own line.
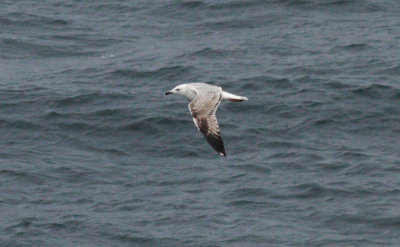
x=204 y=100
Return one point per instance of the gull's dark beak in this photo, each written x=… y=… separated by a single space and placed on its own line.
x=169 y=92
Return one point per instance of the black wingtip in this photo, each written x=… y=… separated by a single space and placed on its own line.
x=216 y=143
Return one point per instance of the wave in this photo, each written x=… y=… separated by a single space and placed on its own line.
x=192 y=4
x=260 y=169
x=247 y=193
x=116 y=7
x=378 y=91
x=355 y=47
x=208 y=53
x=337 y=85
x=389 y=222
x=260 y=83
x=24 y=48
x=306 y=190
x=229 y=24
x=20 y=124
x=30 y=20
x=23 y=176
x=89 y=98
x=357 y=6
x=394 y=70
x=301 y=191
x=171 y=73
x=238 y=4
x=156 y=126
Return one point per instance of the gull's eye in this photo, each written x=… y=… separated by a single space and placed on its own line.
x=177 y=89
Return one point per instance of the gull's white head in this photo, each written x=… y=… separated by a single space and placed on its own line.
x=185 y=90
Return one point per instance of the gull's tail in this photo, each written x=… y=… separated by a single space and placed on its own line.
x=232 y=97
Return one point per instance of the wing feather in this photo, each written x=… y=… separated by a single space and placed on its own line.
x=203 y=109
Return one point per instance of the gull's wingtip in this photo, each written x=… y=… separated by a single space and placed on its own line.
x=222 y=154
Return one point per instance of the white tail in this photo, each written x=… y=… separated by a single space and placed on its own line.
x=232 y=97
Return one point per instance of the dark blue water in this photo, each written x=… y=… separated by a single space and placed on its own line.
x=92 y=153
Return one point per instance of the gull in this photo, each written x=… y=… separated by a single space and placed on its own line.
x=204 y=100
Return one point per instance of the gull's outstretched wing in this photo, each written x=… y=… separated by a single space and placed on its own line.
x=203 y=109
